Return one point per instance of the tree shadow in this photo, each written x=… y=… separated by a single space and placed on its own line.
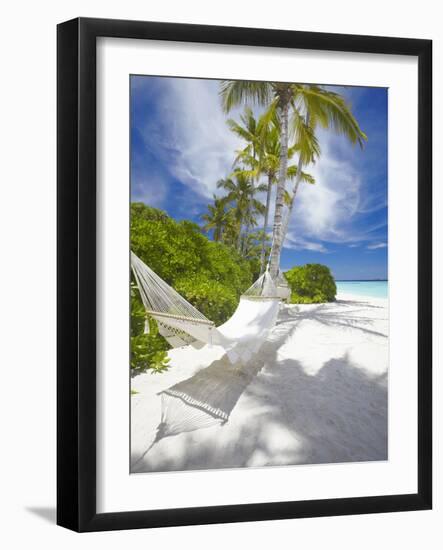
x=358 y=303
x=337 y=415
x=217 y=388
x=208 y=397
x=328 y=315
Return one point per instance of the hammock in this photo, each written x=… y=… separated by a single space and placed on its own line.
x=180 y=323
x=283 y=290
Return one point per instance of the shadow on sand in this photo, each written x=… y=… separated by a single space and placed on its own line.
x=337 y=415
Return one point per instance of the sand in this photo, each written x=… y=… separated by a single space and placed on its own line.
x=316 y=393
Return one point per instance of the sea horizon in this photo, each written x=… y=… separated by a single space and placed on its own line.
x=359 y=280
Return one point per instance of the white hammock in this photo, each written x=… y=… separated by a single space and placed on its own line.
x=283 y=289
x=180 y=323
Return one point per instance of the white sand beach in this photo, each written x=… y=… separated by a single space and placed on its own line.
x=316 y=393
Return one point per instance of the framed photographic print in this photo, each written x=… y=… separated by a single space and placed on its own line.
x=244 y=274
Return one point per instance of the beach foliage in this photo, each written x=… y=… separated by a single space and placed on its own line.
x=217 y=301
x=212 y=271
x=211 y=275
x=182 y=256
x=311 y=284
x=148 y=350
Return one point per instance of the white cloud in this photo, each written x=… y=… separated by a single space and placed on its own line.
x=328 y=210
x=324 y=210
x=376 y=246
x=194 y=141
x=190 y=136
x=153 y=194
x=295 y=242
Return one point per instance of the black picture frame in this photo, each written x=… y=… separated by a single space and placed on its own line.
x=76 y=266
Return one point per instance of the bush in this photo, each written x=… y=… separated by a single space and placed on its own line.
x=210 y=275
x=213 y=299
x=148 y=351
x=311 y=284
x=180 y=254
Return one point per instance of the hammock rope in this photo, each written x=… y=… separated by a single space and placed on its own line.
x=180 y=323
x=206 y=400
x=158 y=296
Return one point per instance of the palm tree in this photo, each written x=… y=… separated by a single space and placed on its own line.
x=241 y=191
x=311 y=106
x=216 y=218
x=248 y=130
x=268 y=164
x=230 y=232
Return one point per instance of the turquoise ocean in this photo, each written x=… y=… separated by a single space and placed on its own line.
x=372 y=289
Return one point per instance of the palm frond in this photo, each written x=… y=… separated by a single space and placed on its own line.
x=292 y=173
x=239 y=130
x=330 y=109
x=306 y=142
x=261 y=187
x=249 y=174
x=237 y=92
x=287 y=198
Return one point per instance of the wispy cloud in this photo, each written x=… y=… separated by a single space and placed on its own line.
x=189 y=134
x=153 y=194
x=329 y=211
x=295 y=242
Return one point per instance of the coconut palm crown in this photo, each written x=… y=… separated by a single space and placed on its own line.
x=301 y=109
x=216 y=218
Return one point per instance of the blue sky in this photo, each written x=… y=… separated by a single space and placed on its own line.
x=181 y=146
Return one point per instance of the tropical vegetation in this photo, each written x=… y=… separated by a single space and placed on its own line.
x=297 y=111
x=311 y=284
x=211 y=271
x=210 y=275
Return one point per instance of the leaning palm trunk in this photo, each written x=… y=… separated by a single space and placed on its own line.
x=217 y=233
x=285 y=223
x=298 y=177
x=265 y=225
x=279 y=200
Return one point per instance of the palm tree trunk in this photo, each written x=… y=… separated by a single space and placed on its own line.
x=265 y=225
x=245 y=239
x=279 y=200
x=294 y=193
x=239 y=238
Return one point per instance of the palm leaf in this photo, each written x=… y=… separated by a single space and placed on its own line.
x=237 y=92
x=330 y=109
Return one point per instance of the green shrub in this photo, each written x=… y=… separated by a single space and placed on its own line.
x=311 y=284
x=213 y=299
x=210 y=275
x=148 y=351
x=178 y=252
